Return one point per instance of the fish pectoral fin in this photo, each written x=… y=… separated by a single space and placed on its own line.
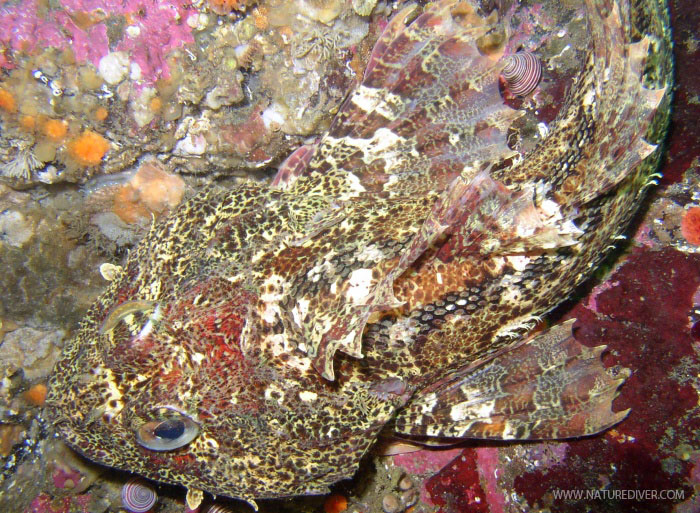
x=477 y=215
x=550 y=386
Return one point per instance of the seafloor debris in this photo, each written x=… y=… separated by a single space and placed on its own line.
x=674 y=216
x=32 y=350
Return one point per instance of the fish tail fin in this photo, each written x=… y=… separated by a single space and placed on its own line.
x=612 y=95
x=550 y=386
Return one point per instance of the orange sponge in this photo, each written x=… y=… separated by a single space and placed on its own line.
x=152 y=190
x=7 y=101
x=55 y=129
x=36 y=395
x=88 y=149
x=335 y=503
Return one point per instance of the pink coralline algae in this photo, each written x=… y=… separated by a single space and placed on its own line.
x=153 y=29
x=21 y=28
x=64 y=476
x=426 y=461
x=488 y=464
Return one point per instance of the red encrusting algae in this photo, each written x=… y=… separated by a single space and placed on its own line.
x=690 y=226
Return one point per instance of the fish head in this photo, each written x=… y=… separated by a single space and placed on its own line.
x=171 y=390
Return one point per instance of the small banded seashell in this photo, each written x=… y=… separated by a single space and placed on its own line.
x=522 y=72
x=138 y=496
x=218 y=508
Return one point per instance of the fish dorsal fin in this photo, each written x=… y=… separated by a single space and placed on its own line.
x=428 y=108
x=293 y=166
x=428 y=104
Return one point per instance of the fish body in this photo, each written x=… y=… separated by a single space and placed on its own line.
x=258 y=340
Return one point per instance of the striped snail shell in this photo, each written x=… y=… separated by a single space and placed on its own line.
x=522 y=72
x=218 y=508
x=138 y=496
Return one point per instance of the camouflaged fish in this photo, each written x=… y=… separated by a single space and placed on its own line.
x=258 y=340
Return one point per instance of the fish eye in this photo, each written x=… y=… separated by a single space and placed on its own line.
x=168 y=433
x=170 y=429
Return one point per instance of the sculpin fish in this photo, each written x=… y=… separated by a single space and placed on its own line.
x=258 y=340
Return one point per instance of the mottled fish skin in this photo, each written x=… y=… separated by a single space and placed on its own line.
x=387 y=281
